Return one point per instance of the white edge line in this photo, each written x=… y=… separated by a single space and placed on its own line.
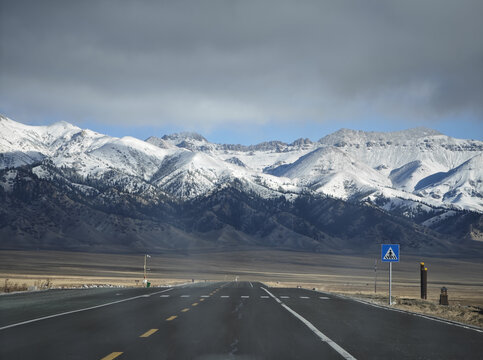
x=79 y=310
x=424 y=316
x=316 y=331
x=427 y=317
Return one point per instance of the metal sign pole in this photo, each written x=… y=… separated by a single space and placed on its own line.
x=390 y=282
x=390 y=254
x=375 y=276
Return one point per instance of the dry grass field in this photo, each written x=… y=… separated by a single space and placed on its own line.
x=350 y=275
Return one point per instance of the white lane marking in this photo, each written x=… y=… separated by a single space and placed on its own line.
x=224 y=296
x=427 y=317
x=245 y=296
x=164 y=296
x=316 y=331
x=80 y=310
x=264 y=297
x=250 y=284
x=304 y=297
x=324 y=297
x=185 y=296
x=205 y=296
x=284 y=297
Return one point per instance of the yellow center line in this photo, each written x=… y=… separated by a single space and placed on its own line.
x=202 y=299
x=185 y=310
x=171 y=318
x=194 y=304
x=149 y=333
x=111 y=356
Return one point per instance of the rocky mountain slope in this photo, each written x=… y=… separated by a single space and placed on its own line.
x=65 y=187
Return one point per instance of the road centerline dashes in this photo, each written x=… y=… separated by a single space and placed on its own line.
x=149 y=333
x=185 y=310
x=171 y=318
x=112 y=355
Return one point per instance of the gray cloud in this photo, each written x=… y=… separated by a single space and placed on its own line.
x=215 y=62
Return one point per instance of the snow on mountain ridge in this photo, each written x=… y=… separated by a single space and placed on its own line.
x=462 y=185
x=347 y=164
x=332 y=171
x=183 y=136
x=360 y=136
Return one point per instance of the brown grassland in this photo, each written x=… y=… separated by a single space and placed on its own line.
x=342 y=274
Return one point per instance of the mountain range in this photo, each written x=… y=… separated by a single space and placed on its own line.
x=63 y=187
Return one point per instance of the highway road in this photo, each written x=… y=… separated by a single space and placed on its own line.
x=234 y=320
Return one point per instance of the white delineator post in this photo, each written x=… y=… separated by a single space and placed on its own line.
x=145 y=280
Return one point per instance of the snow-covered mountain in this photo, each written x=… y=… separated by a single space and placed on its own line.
x=417 y=168
x=63 y=187
x=330 y=171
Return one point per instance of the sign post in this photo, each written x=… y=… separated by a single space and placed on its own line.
x=390 y=254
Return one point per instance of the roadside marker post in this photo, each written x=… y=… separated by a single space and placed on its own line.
x=424 y=281
x=390 y=254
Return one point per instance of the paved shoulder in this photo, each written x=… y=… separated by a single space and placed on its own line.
x=367 y=331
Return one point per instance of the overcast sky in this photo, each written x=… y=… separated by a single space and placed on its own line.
x=244 y=71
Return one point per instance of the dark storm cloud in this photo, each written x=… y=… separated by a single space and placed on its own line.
x=227 y=61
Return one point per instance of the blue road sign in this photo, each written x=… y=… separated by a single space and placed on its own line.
x=390 y=252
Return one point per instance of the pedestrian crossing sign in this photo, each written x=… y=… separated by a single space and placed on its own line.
x=390 y=252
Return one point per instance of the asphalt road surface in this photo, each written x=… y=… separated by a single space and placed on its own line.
x=236 y=320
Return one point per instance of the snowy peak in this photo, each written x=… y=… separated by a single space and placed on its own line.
x=24 y=144
x=184 y=136
x=159 y=142
x=359 y=136
x=301 y=142
x=332 y=171
x=409 y=175
x=462 y=185
x=187 y=140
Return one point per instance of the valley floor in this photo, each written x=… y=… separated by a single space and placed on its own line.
x=343 y=274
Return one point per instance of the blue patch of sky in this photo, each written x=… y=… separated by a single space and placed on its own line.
x=465 y=128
